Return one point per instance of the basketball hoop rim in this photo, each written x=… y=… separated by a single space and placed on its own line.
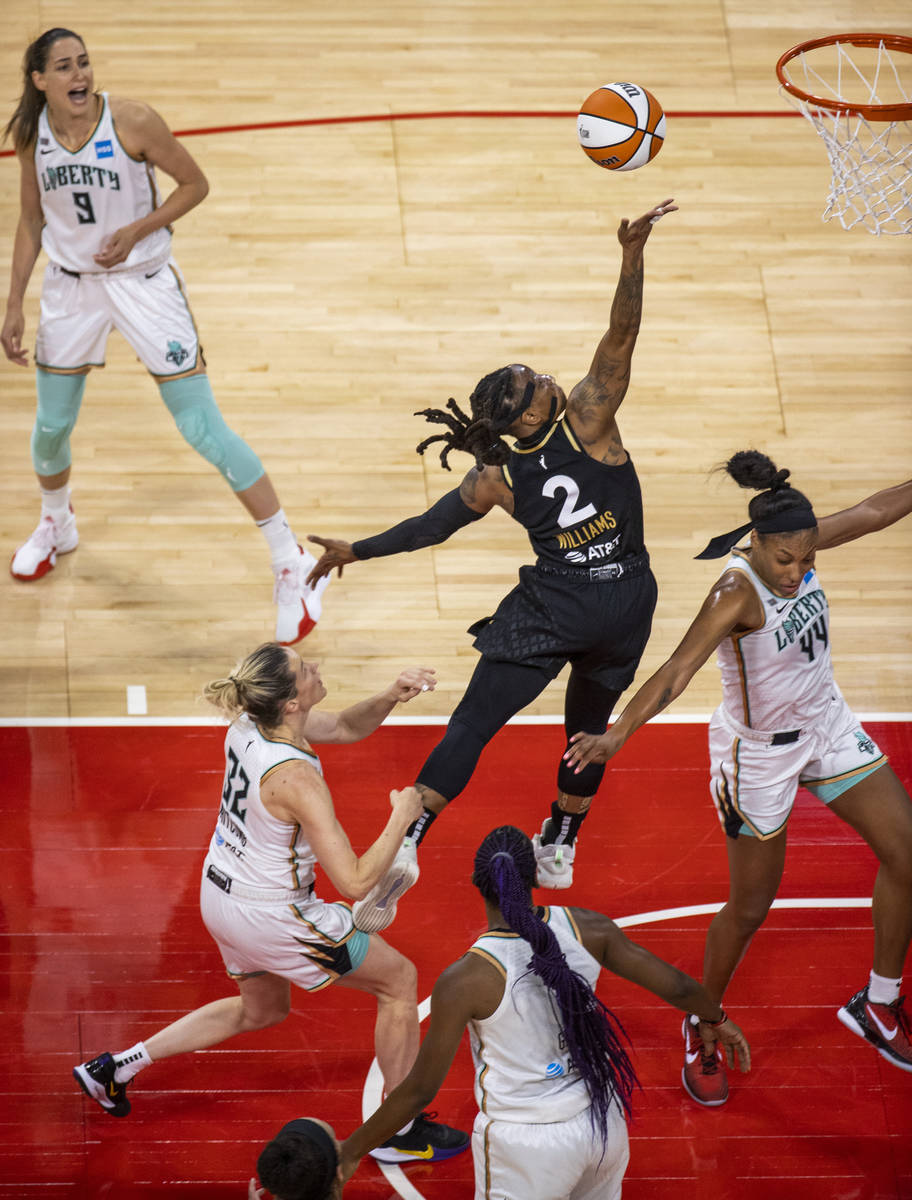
x=871 y=112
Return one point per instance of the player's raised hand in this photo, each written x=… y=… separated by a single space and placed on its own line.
x=411 y=683
x=336 y=555
x=633 y=233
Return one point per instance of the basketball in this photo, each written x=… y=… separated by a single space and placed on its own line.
x=621 y=126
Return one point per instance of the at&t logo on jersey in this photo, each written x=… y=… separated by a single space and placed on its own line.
x=104 y=149
x=554 y=1069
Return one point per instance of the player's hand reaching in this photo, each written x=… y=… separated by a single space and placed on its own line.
x=336 y=555
x=409 y=801
x=633 y=234
x=733 y=1041
x=411 y=683
x=586 y=748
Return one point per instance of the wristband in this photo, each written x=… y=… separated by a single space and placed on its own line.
x=716 y=1024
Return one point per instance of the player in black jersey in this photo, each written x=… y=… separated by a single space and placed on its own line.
x=589 y=598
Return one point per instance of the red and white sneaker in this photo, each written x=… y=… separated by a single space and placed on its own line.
x=703 y=1075
x=885 y=1026
x=38 y=555
x=299 y=605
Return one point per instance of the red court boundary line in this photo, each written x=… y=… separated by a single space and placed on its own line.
x=435 y=116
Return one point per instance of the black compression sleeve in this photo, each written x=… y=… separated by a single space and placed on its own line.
x=434 y=526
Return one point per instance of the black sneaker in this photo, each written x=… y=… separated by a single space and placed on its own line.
x=96 y=1078
x=426 y=1141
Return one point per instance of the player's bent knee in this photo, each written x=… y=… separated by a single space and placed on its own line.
x=191 y=403
x=586 y=783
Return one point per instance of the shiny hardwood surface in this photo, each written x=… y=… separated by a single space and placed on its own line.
x=345 y=275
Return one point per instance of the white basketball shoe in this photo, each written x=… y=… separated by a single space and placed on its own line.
x=553 y=862
x=38 y=555
x=378 y=908
x=299 y=606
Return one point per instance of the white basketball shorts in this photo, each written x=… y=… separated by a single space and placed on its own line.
x=309 y=942
x=149 y=308
x=754 y=783
x=543 y=1162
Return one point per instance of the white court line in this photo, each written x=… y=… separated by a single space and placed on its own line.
x=113 y=722
x=372 y=1093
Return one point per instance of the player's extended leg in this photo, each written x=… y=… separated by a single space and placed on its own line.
x=190 y=401
x=879 y=809
x=263 y=1000
x=59 y=399
x=588 y=706
x=755 y=869
x=392 y=979
x=496 y=692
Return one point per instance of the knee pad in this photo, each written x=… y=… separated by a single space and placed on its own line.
x=191 y=403
x=450 y=764
x=584 y=784
x=59 y=398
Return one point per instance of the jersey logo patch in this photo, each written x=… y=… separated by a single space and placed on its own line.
x=865 y=745
x=104 y=149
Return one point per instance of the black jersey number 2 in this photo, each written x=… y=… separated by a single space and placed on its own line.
x=569 y=513
x=236 y=787
x=85 y=213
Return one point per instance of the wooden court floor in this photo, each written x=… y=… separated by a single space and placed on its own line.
x=345 y=275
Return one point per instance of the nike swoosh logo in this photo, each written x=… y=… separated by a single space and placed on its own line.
x=892 y=1033
x=691 y=1056
x=428 y=1152
x=783 y=608
x=46 y=151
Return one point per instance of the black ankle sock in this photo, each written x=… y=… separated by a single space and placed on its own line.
x=562 y=826
x=419 y=828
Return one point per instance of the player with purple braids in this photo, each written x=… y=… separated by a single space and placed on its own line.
x=553 y=1080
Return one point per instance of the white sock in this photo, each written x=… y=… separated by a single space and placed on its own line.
x=130 y=1062
x=882 y=990
x=283 y=545
x=55 y=503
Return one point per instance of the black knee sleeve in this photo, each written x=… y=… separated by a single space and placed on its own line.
x=450 y=764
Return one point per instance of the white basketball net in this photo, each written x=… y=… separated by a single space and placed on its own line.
x=871 y=161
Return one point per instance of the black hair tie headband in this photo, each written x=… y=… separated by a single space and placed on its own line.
x=789 y=521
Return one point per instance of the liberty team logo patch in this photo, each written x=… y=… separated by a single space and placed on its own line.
x=104 y=149
x=176 y=353
x=865 y=745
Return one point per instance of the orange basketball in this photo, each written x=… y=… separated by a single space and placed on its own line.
x=621 y=126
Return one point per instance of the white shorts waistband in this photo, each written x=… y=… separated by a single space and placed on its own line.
x=245 y=891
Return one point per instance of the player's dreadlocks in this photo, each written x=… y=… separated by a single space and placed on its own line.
x=494 y=409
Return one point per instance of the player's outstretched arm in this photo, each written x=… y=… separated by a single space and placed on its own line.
x=879 y=511
x=731 y=605
x=454 y=1002
x=360 y=720
x=618 y=954
x=478 y=493
x=593 y=403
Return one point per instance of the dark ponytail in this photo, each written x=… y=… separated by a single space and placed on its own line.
x=504 y=874
x=751 y=469
x=23 y=125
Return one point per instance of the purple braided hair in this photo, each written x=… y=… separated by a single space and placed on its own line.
x=505 y=874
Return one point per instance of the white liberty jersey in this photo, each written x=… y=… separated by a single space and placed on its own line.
x=522 y=1068
x=87 y=194
x=249 y=844
x=779 y=677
